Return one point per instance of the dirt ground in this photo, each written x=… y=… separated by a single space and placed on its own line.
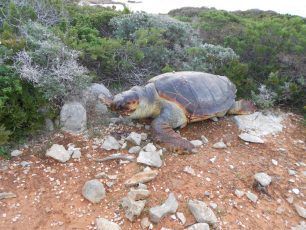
x=49 y=193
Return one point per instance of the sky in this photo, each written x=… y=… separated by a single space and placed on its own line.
x=294 y=7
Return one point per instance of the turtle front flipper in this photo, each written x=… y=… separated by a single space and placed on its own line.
x=171 y=117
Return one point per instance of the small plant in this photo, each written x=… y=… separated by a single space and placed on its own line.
x=265 y=98
x=4 y=135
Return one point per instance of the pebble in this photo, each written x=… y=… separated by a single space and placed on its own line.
x=181 y=217
x=291 y=172
x=213 y=205
x=134 y=138
x=141 y=177
x=212 y=160
x=104 y=224
x=138 y=194
x=197 y=143
x=150 y=158
x=168 y=207
x=239 y=193
x=59 y=153
x=300 y=210
x=199 y=226
x=25 y=163
x=274 y=162
x=296 y=191
x=252 y=196
x=145 y=223
x=189 y=170
x=132 y=208
x=263 y=178
x=7 y=195
x=251 y=138
x=76 y=154
x=93 y=190
x=201 y=212
x=150 y=147
x=280 y=210
x=16 y=153
x=204 y=140
x=110 y=143
x=144 y=136
x=219 y=145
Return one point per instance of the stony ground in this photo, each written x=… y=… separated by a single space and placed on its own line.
x=49 y=193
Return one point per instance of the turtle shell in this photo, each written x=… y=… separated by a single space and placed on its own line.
x=200 y=94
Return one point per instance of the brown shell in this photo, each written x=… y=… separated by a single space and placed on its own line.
x=201 y=94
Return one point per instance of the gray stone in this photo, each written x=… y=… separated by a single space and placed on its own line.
x=300 y=210
x=204 y=140
x=7 y=195
x=263 y=178
x=110 y=143
x=16 y=153
x=134 y=138
x=144 y=136
x=138 y=194
x=100 y=108
x=58 y=152
x=274 y=162
x=101 y=175
x=95 y=92
x=239 y=193
x=132 y=208
x=300 y=226
x=93 y=190
x=76 y=153
x=145 y=223
x=181 y=217
x=252 y=197
x=201 y=212
x=150 y=158
x=196 y=143
x=104 y=224
x=49 y=126
x=150 y=147
x=251 y=138
x=213 y=205
x=259 y=124
x=25 y=163
x=73 y=117
x=219 y=145
x=169 y=207
x=189 y=170
x=141 y=177
x=135 y=149
x=199 y=226
x=291 y=172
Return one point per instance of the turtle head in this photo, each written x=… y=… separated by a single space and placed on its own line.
x=125 y=103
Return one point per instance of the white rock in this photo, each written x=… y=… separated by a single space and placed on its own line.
x=274 y=162
x=201 y=212
x=76 y=154
x=104 y=224
x=132 y=208
x=93 y=190
x=213 y=205
x=204 y=139
x=16 y=153
x=212 y=160
x=110 y=143
x=239 y=193
x=219 y=145
x=197 y=143
x=135 y=149
x=252 y=196
x=169 y=207
x=300 y=210
x=145 y=223
x=263 y=178
x=291 y=172
x=134 y=138
x=181 y=217
x=296 y=191
x=199 y=226
x=138 y=194
x=251 y=138
x=144 y=136
x=150 y=147
x=150 y=158
x=189 y=170
x=58 y=152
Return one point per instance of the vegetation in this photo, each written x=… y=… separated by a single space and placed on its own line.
x=50 y=50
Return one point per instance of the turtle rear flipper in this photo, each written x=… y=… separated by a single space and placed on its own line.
x=242 y=107
x=163 y=132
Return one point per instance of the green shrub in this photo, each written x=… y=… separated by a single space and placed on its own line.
x=4 y=135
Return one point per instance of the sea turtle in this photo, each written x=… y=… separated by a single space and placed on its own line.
x=178 y=98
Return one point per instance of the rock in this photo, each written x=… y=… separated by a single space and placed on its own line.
x=215 y=119
x=196 y=143
x=145 y=223
x=100 y=108
x=263 y=178
x=49 y=126
x=138 y=194
x=189 y=170
x=181 y=217
x=110 y=143
x=134 y=138
x=274 y=162
x=150 y=147
x=150 y=158
x=204 y=140
x=76 y=154
x=252 y=197
x=132 y=208
x=93 y=190
x=201 y=212
x=73 y=117
x=300 y=210
x=296 y=191
x=213 y=205
x=291 y=172
x=251 y=138
x=96 y=91
x=168 y=207
x=142 y=177
x=25 y=163
x=212 y=160
x=219 y=145
x=239 y=193
x=7 y=195
x=144 y=136
x=290 y=199
x=301 y=226
x=142 y=186
x=101 y=175
x=135 y=149
x=199 y=226
x=109 y=184
x=259 y=124
x=16 y=153
x=104 y=224
x=58 y=152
